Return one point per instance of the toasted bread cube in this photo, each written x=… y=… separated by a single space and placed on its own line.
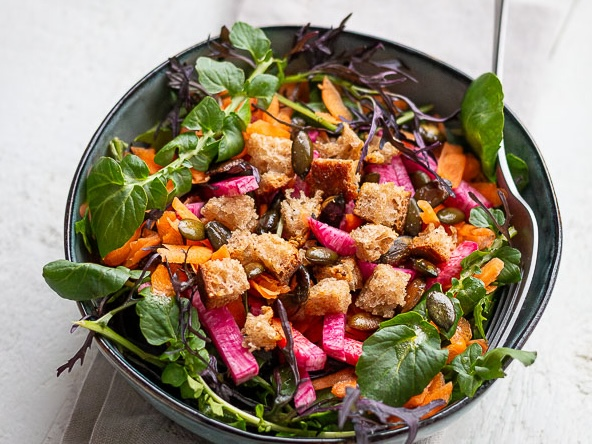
x=259 y=332
x=334 y=176
x=384 y=204
x=328 y=296
x=224 y=281
x=372 y=241
x=384 y=291
x=434 y=244
x=279 y=256
x=234 y=212
x=347 y=146
x=346 y=270
x=295 y=213
x=241 y=246
x=378 y=154
x=272 y=156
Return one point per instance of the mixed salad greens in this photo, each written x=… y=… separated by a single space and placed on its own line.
x=367 y=322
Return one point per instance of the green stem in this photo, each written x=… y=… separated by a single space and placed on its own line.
x=407 y=116
x=306 y=112
x=102 y=329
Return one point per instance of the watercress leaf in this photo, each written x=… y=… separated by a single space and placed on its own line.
x=84 y=228
x=116 y=148
x=156 y=137
x=472 y=368
x=482 y=118
x=181 y=178
x=481 y=313
x=217 y=76
x=203 y=158
x=192 y=388
x=244 y=112
x=511 y=272
x=519 y=170
x=157 y=193
x=84 y=281
x=174 y=374
x=159 y=318
x=205 y=116
x=262 y=87
x=399 y=361
x=183 y=143
x=481 y=218
x=409 y=318
x=117 y=207
x=232 y=142
x=254 y=40
x=134 y=168
x=468 y=292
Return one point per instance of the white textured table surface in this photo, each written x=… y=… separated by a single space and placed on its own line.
x=64 y=64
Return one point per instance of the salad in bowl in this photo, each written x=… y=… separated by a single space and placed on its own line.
x=297 y=248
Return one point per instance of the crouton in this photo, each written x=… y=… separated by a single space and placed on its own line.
x=279 y=256
x=372 y=241
x=334 y=176
x=295 y=213
x=434 y=244
x=272 y=156
x=346 y=270
x=241 y=246
x=347 y=146
x=384 y=204
x=384 y=291
x=378 y=154
x=259 y=332
x=328 y=296
x=224 y=280
x=234 y=212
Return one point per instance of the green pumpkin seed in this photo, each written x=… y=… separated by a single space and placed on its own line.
x=440 y=309
x=425 y=267
x=254 y=269
x=192 y=229
x=217 y=234
x=302 y=153
x=321 y=256
x=451 y=215
x=415 y=291
x=413 y=219
x=398 y=251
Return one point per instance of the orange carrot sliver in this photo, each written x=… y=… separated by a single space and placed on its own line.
x=472 y=167
x=451 y=163
x=489 y=191
x=267 y=129
x=221 y=253
x=147 y=155
x=182 y=210
x=167 y=226
x=161 y=281
x=142 y=247
x=428 y=215
x=490 y=271
x=333 y=101
x=339 y=389
x=180 y=254
x=345 y=374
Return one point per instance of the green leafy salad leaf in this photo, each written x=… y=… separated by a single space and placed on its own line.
x=482 y=117
x=85 y=281
x=399 y=360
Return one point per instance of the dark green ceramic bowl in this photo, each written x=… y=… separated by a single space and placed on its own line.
x=147 y=103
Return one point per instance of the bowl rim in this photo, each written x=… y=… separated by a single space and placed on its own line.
x=145 y=387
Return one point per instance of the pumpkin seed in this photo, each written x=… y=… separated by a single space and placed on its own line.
x=321 y=256
x=217 y=234
x=440 y=309
x=192 y=229
x=398 y=251
x=425 y=267
x=302 y=153
x=451 y=215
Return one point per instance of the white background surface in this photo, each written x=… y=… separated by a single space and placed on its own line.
x=64 y=64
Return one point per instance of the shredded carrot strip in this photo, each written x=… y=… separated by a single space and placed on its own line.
x=180 y=254
x=333 y=101
x=451 y=163
x=182 y=210
x=428 y=215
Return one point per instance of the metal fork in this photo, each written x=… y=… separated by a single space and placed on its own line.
x=523 y=219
